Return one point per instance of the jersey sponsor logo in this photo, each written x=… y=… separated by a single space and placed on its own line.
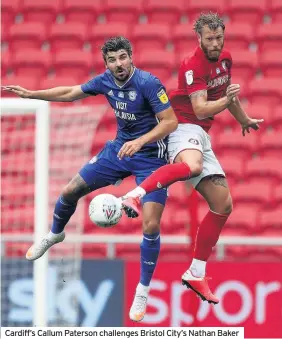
x=121 y=105
x=125 y=115
x=218 y=81
x=193 y=141
x=162 y=96
x=120 y=94
x=111 y=93
x=189 y=77
x=132 y=95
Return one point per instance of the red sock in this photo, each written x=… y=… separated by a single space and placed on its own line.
x=208 y=234
x=165 y=176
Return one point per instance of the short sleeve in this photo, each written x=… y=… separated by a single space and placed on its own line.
x=93 y=86
x=194 y=78
x=155 y=93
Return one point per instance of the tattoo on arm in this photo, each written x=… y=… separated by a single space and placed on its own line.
x=219 y=181
x=198 y=94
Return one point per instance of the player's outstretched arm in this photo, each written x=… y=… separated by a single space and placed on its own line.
x=205 y=109
x=242 y=117
x=168 y=124
x=59 y=94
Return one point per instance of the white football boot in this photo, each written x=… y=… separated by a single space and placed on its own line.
x=37 y=250
x=139 y=305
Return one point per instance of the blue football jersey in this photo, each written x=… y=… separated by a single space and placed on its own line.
x=135 y=105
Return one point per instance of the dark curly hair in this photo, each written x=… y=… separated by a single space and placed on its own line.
x=210 y=19
x=116 y=43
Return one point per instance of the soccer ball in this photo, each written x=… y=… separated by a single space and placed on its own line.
x=105 y=210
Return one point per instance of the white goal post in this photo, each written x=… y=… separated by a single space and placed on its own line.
x=41 y=109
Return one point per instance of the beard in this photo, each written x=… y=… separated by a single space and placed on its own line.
x=208 y=53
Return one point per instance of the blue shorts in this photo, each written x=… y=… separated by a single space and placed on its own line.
x=106 y=169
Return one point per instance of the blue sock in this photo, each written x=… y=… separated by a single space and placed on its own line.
x=62 y=213
x=150 y=249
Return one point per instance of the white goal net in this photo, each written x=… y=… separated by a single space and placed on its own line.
x=42 y=148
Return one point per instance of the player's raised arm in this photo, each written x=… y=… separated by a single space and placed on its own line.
x=59 y=94
x=204 y=109
x=241 y=116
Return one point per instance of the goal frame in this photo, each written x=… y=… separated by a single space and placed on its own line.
x=41 y=109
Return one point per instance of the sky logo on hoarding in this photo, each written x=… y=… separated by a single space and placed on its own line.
x=85 y=302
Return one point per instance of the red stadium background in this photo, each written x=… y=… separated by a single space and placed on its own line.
x=50 y=43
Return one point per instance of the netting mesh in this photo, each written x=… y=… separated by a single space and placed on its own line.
x=71 y=135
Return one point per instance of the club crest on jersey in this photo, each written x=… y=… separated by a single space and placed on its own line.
x=162 y=96
x=132 y=95
x=224 y=65
x=217 y=71
x=189 y=77
x=120 y=94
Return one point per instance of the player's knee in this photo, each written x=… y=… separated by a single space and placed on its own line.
x=196 y=168
x=151 y=226
x=225 y=206
x=68 y=194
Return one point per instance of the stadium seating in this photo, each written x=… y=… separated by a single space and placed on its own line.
x=271 y=63
x=43 y=11
x=57 y=81
x=37 y=64
x=67 y=36
x=232 y=165
x=122 y=11
x=180 y=33
x=243 y=219
x=271 y=219
x=253 y=191
x=229 y=140
x=100 y=33
x=194 y=7
x=74 y=62
x=238 y=36
x=51 y=43
x=85 y=11
x=9 y=10
x=149 y=36
x=276 y=11
x=162 y=67
x=246 y=11
x=5 y=63
x=166 y=11
x=24 y=81
x=269 y=36
x=245 y=63
x=265 y=166
x=28 y=35
x=257 y=90
x=277 y=117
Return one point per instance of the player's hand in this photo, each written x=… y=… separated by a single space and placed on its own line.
x=250 y=123
x=130 y=148
x=18 y=90
x=232 y=91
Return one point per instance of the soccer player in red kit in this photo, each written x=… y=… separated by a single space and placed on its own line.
x=204 y=90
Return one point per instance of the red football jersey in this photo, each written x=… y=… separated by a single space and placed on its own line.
x=197 y=73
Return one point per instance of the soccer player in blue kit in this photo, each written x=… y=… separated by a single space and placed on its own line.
x=145 y=118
